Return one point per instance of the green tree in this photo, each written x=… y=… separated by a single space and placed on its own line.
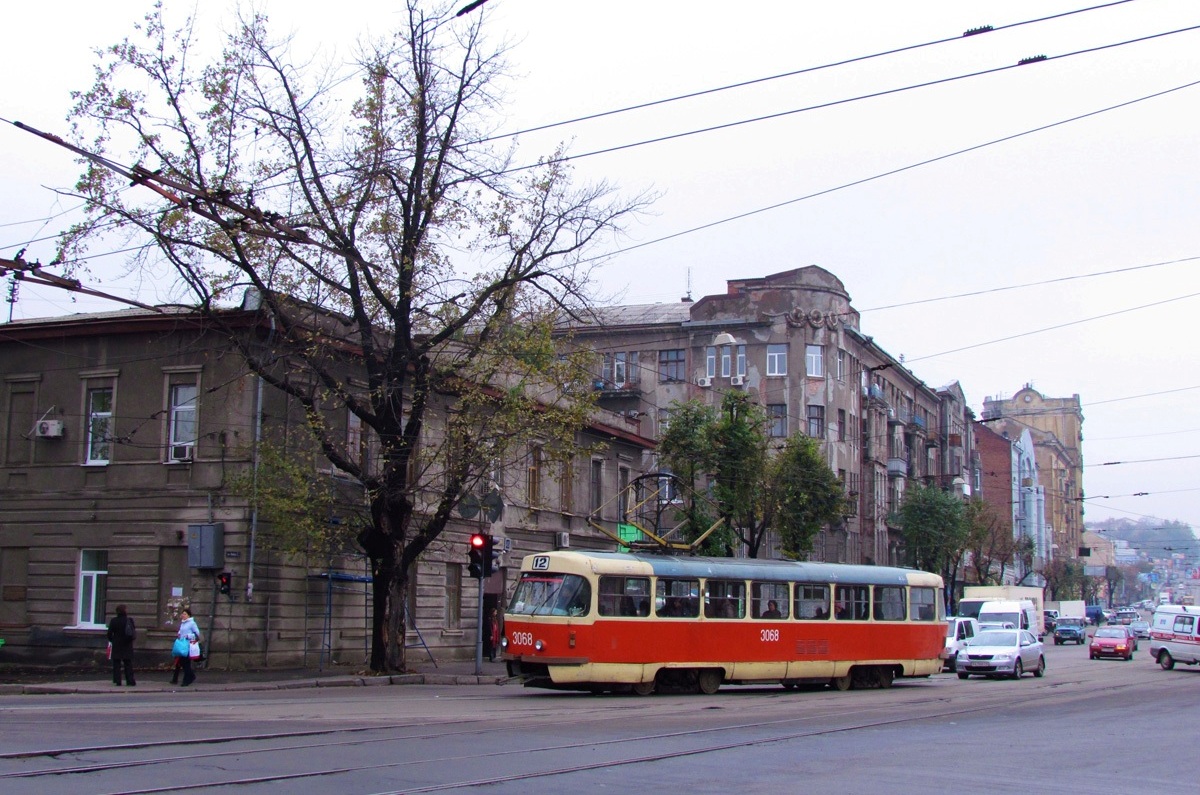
x=791 y=492
x=803 y=495
x=935 y=531
x=408 y=270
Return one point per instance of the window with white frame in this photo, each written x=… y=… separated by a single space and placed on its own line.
x=842 y=368
x=726 y=361
x=777 y=359
x=100 y=425
x=741 y=361
x=93 y=582
x=182 y=431
x=710 y=362
x=814 y=361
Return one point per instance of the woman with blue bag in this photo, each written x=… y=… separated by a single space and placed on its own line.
x=181 y=650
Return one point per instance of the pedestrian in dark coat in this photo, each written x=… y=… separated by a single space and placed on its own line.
x=121 y=634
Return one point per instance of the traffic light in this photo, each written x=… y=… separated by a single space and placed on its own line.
x=224 y=582
x=491 y=556
x=475 y=554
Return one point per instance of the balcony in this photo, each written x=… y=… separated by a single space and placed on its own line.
x=897 y=467
x=920 y=423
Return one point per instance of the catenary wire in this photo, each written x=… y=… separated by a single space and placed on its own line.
x=793 y=73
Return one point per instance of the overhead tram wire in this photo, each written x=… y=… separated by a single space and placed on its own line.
x=892 y=172
x=846 y=101
x=1050 y=328
x=806 y=70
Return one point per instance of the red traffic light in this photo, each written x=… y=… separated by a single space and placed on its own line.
x=478 y=540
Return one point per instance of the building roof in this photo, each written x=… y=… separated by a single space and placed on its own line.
x=633 y=315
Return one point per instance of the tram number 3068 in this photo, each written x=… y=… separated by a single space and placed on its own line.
x=768 y=635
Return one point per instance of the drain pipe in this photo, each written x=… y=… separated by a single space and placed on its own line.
x=258 y=412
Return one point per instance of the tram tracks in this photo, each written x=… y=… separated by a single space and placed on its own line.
x=919 y=705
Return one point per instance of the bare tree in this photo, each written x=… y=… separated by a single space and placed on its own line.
x=409 y=269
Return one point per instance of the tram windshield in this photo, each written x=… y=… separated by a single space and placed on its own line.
x=546 y=594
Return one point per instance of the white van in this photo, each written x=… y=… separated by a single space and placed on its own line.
x=959 y=630
x=1175 y=635
x=1010 y=615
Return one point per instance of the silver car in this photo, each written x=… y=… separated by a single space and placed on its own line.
x=1001 y=652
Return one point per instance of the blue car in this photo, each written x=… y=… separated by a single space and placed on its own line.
x=1070 y=630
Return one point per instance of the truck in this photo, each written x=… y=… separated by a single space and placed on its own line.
x=1071 y=608
x=975 y=595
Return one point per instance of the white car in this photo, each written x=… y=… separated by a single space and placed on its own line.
x=959 y=630
x=1002 y=652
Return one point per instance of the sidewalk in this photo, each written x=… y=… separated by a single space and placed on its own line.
x=454 y=672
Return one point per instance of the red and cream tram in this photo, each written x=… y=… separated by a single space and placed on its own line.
x=644 y=621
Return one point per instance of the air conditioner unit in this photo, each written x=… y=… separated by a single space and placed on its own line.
x=49 y=429
x=562 y=540
x=704 y=382
x=737 y=380
x=181 y=452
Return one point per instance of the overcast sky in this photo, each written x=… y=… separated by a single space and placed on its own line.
x=1114 y=193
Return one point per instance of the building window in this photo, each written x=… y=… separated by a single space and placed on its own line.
x=664 y=420
x=741 y=361
x=533 y=483
x=182 y=433
x=710 y=362
x=354 y=440
x=100 y=425
x=623 y=494
x=566 y=486
x=777 y=420
x=841 y=365
x=93 y=580
x=618 y=376
x=726 y=361
x=814 y=361
x=816 y=422
x=841 y=425
x=671 y=365
x=596 y=485
x=454 y=593
x=776 y=359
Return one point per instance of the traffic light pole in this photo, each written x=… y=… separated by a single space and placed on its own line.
x=479 y=632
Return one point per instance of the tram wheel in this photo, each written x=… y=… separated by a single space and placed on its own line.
x=642 y=688
x=709 y=680
x=886 y=675
x=840 y=682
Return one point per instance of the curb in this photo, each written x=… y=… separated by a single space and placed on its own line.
x=239 y=687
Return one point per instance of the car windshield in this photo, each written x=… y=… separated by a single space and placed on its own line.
x=994 y=639
x=1012 y=619
x=1110 y=632
x=1070 y=622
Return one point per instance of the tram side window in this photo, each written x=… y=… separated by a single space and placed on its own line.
x=853 y=602
x=923 y=604
x=724 y=599
x=889 y=603
x=812 y=602
x=677 y=598
x=769 y=600
x=624 y=596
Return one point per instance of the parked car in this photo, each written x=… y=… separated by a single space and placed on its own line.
x=1114 y=641
x=1141 y=628
x=1070 y=630
x=1002 y=652
x=959 y=630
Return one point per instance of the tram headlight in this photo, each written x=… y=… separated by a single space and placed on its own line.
x=504 y=642
x=538 y=645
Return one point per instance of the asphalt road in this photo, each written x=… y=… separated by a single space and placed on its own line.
x=1088 y=726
